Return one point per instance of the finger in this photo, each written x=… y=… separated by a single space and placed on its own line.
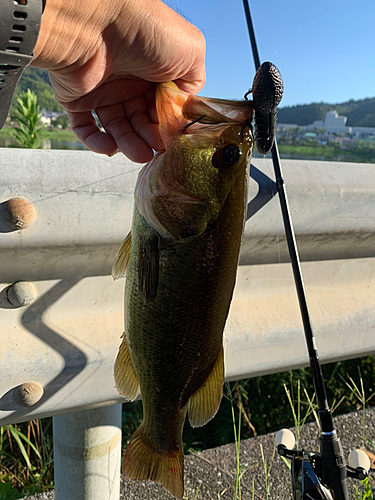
x=193 y=87
x=111 y=92
x=137 y=112
x=128 y=141
x=85 y=128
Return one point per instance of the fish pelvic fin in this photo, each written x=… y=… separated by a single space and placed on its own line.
x=126 y=379
x=143 y=462
x=120 y=265
x=204 y=403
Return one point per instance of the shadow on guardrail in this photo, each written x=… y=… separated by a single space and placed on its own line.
x=74 y=358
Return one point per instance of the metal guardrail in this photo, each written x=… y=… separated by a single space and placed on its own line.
x=65 y=340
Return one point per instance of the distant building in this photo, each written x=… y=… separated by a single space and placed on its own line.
x=45 y=120
x=333 y=123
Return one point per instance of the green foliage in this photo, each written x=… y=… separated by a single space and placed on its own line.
x=132 y=415
x=267 y=469
x=360 y=113
x=7 y=492
x=20 y=438
x=267 y=407
x=26 y=465
x=196 y=493
x=29 y=133
x=240 y=469
x=359 y=392
x=37 y=81
x=364 y=491
x=298 y=411
x=62 y=121
x=360 y=152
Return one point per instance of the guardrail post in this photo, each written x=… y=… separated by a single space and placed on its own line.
x=87 y=453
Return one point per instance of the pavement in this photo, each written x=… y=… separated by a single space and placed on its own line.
x=214 y=471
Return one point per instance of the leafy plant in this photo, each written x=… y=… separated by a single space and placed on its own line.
x=364 y=491
x=25 y=458
x=7 y=492
x=30 y=133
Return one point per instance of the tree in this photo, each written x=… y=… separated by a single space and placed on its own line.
x=30 y=133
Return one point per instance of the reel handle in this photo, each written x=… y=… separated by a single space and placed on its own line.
x=285 y=437
x=359 y=464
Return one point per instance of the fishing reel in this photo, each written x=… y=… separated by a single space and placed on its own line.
x=307 y=468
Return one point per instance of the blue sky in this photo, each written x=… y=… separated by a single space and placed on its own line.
x=325 y=50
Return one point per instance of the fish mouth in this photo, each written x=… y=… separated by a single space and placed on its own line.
x=181 y=112
x=210 y=111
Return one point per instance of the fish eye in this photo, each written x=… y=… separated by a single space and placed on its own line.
x=227 y=156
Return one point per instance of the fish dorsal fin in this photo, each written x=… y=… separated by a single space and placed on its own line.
x=148 y=267
x=204 y=403
x=126 y=379
x=120 y=265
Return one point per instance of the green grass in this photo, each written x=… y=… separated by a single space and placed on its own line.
x=363 y=492
x=266 y=404
x=26 y=465
x=358 y=153
x=240 y=468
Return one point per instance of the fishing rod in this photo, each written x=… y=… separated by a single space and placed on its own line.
x=315 y=475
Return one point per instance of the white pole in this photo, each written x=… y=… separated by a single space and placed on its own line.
x=87 y=454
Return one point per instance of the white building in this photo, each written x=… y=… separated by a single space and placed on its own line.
x=333 y=123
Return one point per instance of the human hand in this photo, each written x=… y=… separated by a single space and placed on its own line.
x=106 y=57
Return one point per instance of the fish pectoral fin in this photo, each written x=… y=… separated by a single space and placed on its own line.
x=120 y=265
x=148 y=267
x=205 y=402
x=143 y=461
x=126 y=379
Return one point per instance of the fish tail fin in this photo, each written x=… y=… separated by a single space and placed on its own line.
x=143 y=462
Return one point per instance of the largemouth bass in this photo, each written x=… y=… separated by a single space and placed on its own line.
x=180 y=262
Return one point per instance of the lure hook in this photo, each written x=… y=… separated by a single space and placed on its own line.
x=192 y=123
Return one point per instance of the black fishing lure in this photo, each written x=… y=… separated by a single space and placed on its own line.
x=267 y=92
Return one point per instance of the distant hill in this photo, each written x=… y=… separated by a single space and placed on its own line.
x=37 y=80
x=360 y=113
